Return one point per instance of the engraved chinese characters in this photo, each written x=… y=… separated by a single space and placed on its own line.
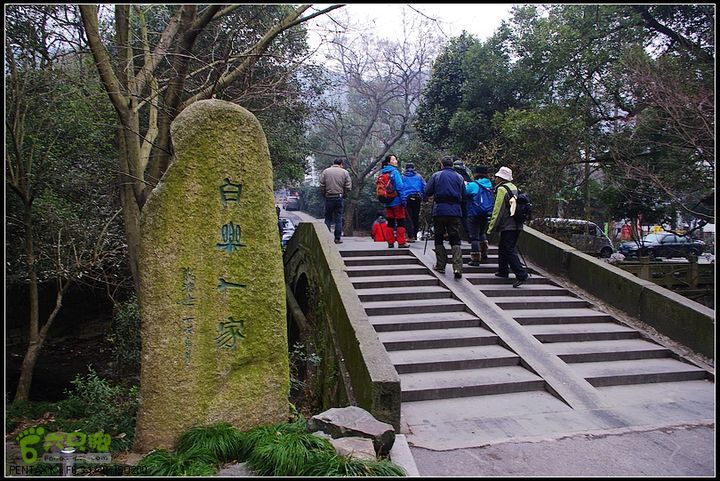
x=212 y=292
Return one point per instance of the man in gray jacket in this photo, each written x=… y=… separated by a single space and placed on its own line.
x=335 y=184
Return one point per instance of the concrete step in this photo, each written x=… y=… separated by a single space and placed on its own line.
x=380 y=260
x=375 y=282
x=468 y=382
x=528 y=317
x=501 y=290
x=401 y=270
x=639 y=371
x=373 y=252
x=601 y=331
x=408 y=292
x=437 y=338
x=489 y=278
x=539 y=302
x=430 y=320
x=453 y=358
x=412 y=307
x=614 y=350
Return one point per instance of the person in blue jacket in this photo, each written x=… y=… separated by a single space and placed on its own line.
x=412 y=194
x=447 y=188
x=394 y=210
x=478 y=214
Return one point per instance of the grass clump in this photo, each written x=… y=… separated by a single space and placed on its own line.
x=190 y=463
x=286 y=454
x=332 y=464
x=222 y=441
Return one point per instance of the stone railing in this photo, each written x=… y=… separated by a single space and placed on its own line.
x=315 y=276
x=681 y=319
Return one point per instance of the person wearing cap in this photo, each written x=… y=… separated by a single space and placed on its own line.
x=335 y=184
x=509 y=229
x=477 y=220
x=447 y=188
x=412 y=193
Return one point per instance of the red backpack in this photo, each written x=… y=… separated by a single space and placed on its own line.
x=384 y=188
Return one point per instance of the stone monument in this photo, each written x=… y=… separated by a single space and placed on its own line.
x=212 y=292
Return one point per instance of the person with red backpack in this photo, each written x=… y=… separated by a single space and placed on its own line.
x=388 y=187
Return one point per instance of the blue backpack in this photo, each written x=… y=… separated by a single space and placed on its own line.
x=483 y=201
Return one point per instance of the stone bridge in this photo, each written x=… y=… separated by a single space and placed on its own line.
x=582 y=347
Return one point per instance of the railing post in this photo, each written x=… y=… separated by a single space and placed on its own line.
x=644 y=268
x=693 y=272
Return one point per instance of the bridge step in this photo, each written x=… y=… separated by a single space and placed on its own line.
x=373 y=252
x=401 y=270
x=489 y=278
x=412 y=307
x=437 y=338
x=451 y=359
x=550 y=302
x=640 y=371
x=581 y=332
x=375 y=282
x=408 y=292
x=431 y=320
x=527 y=317
x=380 y=261
x=494 y=290
x=616 y=350
x=468 y=382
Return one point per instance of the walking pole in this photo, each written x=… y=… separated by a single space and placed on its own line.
x=427 y=225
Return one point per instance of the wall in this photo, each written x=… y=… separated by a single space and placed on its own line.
x=681 y=319
x=368 y=376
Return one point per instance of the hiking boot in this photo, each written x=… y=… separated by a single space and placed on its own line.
x=500 y=274
x=484 y=247
x=390 y=246
x=457 y=260
x=338 y=241
x=474 y=259
x=458 y=274
x=439 y=269
x=404 y=246
x=519 y=282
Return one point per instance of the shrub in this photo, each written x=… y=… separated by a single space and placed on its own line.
x=124 y=339
x=190 y=463
x=222 y=441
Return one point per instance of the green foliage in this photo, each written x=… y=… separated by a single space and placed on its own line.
x=222 y=441
x=189 y=463
x=286 y=454
x=124 y=339
x=331 y=464
x=256 y=436
x=107 y=407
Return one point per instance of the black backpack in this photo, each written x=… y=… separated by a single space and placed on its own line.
x=523 y=206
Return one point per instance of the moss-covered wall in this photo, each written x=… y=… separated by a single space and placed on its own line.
x=212 y=292
x=361 y=361
x=675 y=316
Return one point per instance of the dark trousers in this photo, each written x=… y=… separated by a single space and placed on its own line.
x=413 y=215
x=451 y=226
x=334 y=209
x=508 y=258
x=476 y=230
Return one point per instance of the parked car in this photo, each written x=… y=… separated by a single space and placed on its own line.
x=292 y=203
x=663 y=244
x=583 y=235
x=287 y=224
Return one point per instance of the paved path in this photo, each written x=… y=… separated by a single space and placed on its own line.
x=498 y=383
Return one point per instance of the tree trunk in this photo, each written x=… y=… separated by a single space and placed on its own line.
x=350 y=206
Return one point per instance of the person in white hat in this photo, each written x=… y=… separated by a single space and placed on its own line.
x=502 y=221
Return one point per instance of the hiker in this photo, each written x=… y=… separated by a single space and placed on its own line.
x=412 y=194
x=480 y=205
x=459 y=167
x=394 y=210
x=381 y=231
x=335 y=184
x=447 y=187
x=502 y=221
